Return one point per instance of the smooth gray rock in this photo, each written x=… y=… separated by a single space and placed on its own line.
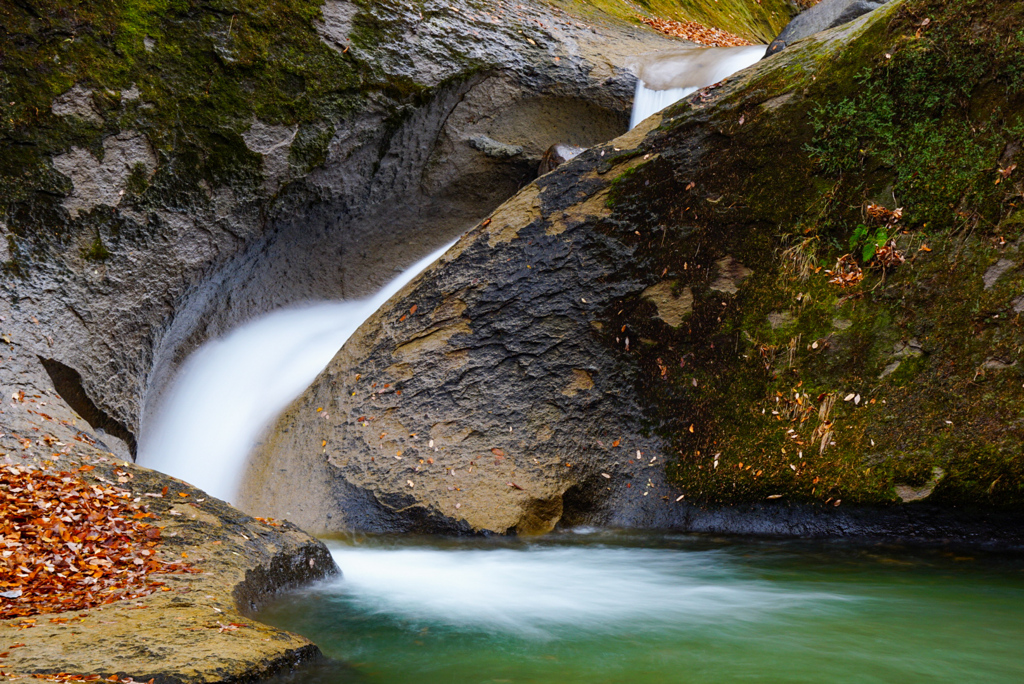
x=77 y=102
x=494 y=149
x=825 y=15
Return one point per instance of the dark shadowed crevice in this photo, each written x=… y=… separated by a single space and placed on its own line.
x=581 y=503
x=68 y=383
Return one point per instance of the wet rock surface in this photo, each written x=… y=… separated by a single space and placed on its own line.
x=608 y=347
x=134 y=234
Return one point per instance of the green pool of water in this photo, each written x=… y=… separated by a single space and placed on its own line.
x=655 y=608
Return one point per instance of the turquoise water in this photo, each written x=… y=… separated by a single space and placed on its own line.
x=638 y=608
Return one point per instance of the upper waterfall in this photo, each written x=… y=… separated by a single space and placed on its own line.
x=664 y=78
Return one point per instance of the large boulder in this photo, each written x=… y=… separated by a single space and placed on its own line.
x=822 y=16
x=671 y=329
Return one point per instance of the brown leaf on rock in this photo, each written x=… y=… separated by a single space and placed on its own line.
x=846 y=272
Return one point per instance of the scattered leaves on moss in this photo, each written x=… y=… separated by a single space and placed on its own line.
x=698 y=33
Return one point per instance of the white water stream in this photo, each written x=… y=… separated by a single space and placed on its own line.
x=231 y=389
x=540 y=591
x=664 y=78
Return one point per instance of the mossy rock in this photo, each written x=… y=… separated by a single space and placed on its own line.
x=774 y=389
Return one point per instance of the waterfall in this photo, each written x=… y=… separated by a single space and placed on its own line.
x=231 y=389
x=647 y=101
x=664 y=78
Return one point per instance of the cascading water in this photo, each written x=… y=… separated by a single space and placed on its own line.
x=231 y=388
x=664 y=78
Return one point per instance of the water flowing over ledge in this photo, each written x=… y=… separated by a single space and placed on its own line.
x=664 y=78
x=231 y=388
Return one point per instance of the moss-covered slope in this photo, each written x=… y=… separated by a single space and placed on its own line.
x=823 y=389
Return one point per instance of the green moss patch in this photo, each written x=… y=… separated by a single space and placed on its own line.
x=801 y=386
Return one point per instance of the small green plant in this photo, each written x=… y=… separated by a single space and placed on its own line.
x=97 y=251
x=868 y=240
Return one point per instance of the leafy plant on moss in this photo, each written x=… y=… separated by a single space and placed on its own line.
x=928 y=112
x=868 y=240
x=850 y=130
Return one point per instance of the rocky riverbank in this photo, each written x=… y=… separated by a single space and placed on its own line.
x=193 y=626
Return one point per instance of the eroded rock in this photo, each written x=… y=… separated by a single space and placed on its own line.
x=78 y=103
x=273 y=143
x=494 y=421
x=199 y=628
x=996 y=271
x=206 y=221
x=102 y=182
x=731 y=274
x=673 y=308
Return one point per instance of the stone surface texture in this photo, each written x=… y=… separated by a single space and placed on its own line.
x=822 y=16
x=129 y=263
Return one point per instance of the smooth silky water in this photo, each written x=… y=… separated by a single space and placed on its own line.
x=232 y=388
x=611 y=607
x=664 y=78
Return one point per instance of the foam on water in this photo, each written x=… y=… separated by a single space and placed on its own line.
x=664 y=78
x=229 y=390
x=539 y=591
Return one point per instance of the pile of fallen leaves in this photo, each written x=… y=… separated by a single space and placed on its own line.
x=888 y=256
x=692 y=31
x=69 y=544
x=65 y=677
x=882 y=216
x=846 y=272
